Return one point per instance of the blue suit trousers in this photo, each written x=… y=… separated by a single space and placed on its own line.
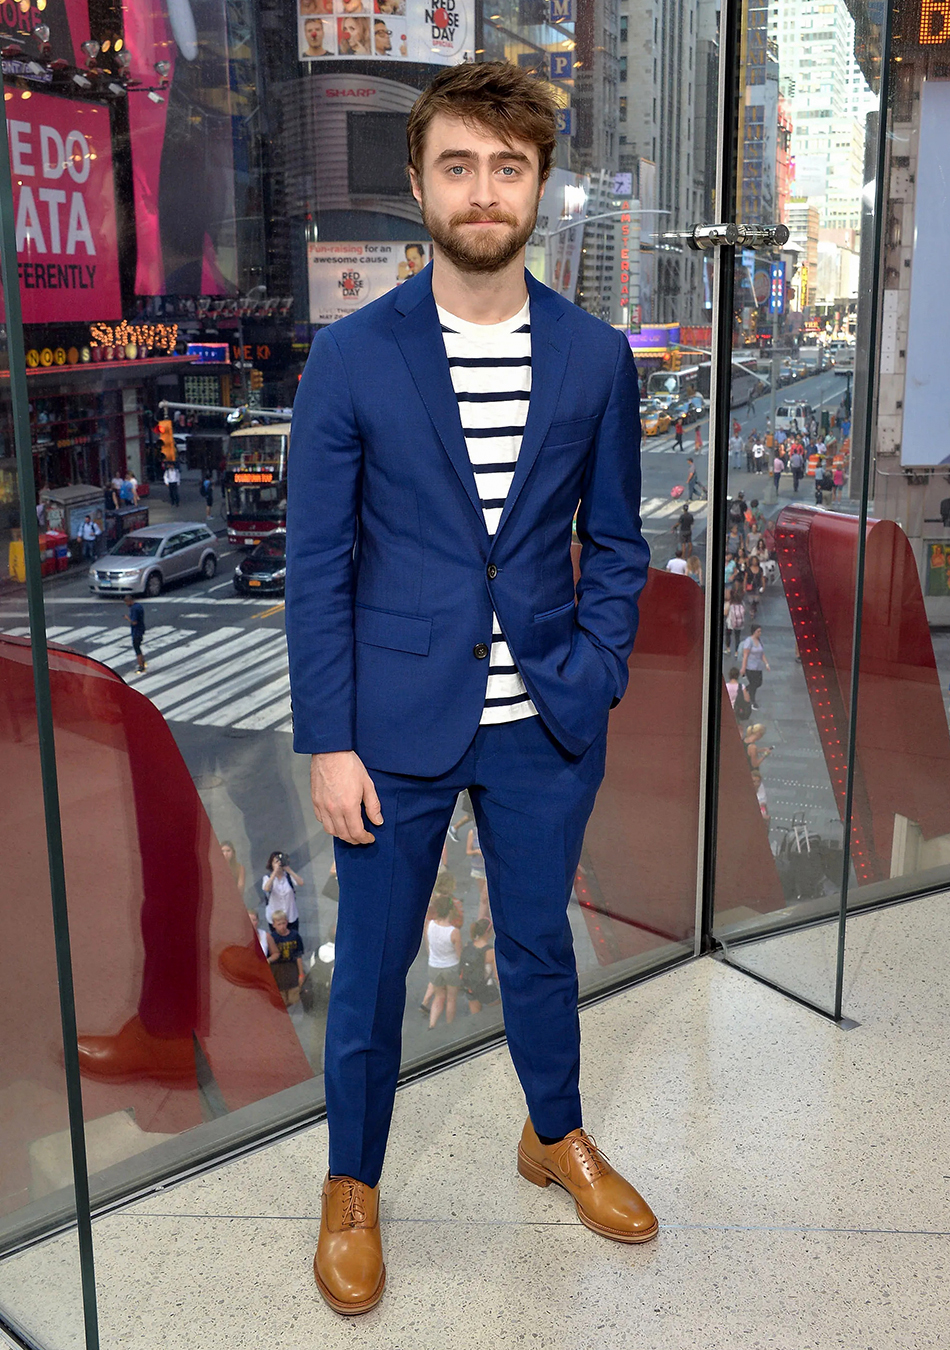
x=532 y=800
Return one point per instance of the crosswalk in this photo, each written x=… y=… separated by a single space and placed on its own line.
x=660 y=512
x=230 y=677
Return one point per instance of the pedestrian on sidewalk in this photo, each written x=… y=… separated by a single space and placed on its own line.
x=735 y=450
x=677 y=564
x=754 y=663
x=89 y=533
x=778 y=468
x=796 y=462
x=758 y=456
x=172 y=478
x=678 y=430
x=136 y=621
x=735 y=617
x=207 y=491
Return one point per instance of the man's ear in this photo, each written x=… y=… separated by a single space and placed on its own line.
x=416 y=184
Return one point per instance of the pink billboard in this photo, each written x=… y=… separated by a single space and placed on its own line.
x=64 y=200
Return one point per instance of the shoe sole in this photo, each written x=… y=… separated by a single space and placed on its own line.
x=350 y=1309
x=540 y=1176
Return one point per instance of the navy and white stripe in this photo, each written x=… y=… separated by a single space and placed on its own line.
x=490 y=366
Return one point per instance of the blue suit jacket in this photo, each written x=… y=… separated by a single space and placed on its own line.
x=388 y=594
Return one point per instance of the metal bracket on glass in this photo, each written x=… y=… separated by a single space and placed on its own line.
x=762 y=236
x=712 y=236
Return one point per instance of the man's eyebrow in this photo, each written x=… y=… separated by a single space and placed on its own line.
x=496 y=157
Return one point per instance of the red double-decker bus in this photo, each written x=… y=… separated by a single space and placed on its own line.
x=255 y=482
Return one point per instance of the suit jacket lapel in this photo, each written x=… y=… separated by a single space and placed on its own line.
x=419 y=336
x=550 y=348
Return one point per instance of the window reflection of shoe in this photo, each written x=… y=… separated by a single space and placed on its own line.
x=244 y=967
x=133 y=1053
x=453 y=834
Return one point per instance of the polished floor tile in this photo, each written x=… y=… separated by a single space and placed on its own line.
x=799 y=1173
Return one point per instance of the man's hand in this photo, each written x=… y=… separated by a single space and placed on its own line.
x=339 y=786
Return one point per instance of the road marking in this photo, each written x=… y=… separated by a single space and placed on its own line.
x=220 y=586
x=270 y=666
x=214 y=685
x=267 y=716
x=200 y=652
x=266 y=613
x=247 y=706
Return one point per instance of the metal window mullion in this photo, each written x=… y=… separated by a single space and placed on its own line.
x=44 y=721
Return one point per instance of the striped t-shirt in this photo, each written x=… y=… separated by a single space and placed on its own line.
x=491 y=374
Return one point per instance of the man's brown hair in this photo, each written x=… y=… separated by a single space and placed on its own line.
x=494 y=95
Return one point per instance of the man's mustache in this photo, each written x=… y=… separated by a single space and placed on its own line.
x=473 y=217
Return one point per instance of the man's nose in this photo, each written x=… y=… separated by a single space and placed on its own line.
x=483 y=189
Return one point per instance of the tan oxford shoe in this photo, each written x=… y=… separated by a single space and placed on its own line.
x=348 y=1266
x=605 y=1202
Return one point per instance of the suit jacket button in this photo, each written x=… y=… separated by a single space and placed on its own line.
x=480 y=650
x=492 y=571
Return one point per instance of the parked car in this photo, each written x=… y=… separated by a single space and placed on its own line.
x=265 y=567
x=143 y=562
x=654 y=420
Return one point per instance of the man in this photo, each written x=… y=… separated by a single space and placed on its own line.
x=678 y=431
x=694 y=487
x=313 y=32
x=735 y=450
x=172 y=477
x=796 y=462
x=89 y=533
x=684 y=528
x=415 y=258
x=129 y=490
x=758 y=455
x=677 y=564
x=435 y=644
x=383 y=38
x=136 y=621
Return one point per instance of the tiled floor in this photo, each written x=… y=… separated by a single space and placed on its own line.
x=801 y=1175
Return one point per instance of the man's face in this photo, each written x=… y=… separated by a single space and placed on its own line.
x=415 y=258
x=313 y=29
x=479 y=197
x=383 y=40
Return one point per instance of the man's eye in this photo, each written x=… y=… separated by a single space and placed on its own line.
x=507 y=169
x=457 y=170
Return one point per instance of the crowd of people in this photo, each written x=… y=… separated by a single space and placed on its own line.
x=788 y=452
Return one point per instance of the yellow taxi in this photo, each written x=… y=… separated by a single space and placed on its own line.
x=653 y=419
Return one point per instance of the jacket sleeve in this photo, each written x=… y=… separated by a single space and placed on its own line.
x=614 y=554
x=324 y=473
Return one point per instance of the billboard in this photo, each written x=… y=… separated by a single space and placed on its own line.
x=345 y=277
x=182 y=150
x=436 y=32
x=64 y=205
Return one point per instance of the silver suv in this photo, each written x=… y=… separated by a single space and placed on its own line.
x=145 y=561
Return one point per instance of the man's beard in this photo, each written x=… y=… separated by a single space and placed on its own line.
x=477 y=251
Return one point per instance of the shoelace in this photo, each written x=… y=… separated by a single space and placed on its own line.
x=354 y=1212
x=591 y=1157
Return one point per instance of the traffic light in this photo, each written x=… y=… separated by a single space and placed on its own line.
x=167 y=438
x=257 y=379
x=676 y=360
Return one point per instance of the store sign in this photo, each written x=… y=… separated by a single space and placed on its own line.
x=64 y=204
x=214 y=353
x=345 y=277
x=934 y=22
x=253 y=478
x=436 y=32
x=561 y=65
x=777 y=288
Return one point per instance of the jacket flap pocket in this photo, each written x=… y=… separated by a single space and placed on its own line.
x=400 y=632
x=566 y=433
